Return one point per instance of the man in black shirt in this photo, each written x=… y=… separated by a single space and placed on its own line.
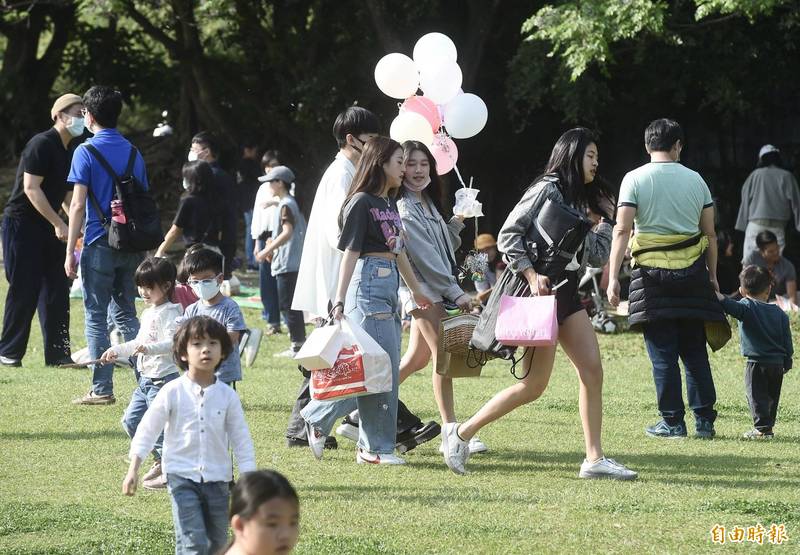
x=33 y=240
x=205 y=147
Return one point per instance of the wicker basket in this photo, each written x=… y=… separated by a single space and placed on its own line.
x=457 y=333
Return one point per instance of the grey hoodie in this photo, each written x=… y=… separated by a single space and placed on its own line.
x=431 y=245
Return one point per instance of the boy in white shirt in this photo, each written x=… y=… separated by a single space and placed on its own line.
x=155 y=279
x=200 y=417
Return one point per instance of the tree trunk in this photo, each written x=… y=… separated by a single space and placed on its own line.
x=28 y=78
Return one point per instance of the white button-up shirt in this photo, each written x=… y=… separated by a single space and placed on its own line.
x=319 y=265
x=198 y=425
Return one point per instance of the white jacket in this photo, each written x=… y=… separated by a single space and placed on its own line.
x=319 y=265
x=158 y=326
x=262 y=217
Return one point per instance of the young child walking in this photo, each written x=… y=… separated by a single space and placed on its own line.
x=204 y=268
x=265 y=515
x=155 y=279
x=766 y=341
x=200 y=417
x=283 y=251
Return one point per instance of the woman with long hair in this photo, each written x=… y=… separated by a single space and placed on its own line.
x=568 y=179
x=197 y=218
x=373 y=242
x=431 y=245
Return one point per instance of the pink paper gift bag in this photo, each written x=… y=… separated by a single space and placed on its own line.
x=527 y=321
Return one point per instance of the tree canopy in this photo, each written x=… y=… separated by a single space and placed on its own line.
x=279 y=71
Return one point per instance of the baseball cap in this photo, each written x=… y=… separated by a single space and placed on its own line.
x=279 y=172
x=63 y=102
x=766 y=149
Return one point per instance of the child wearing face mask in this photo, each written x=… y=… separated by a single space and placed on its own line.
x=265 y=515
x=198 y=216
x=155 y=367
x=204 y=269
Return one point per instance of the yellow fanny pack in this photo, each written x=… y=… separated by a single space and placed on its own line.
x=671 y=252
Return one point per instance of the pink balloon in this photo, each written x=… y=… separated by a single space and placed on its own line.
x=426 y=108
x=445 y=153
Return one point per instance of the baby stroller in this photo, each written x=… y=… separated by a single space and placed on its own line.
x=604 y=317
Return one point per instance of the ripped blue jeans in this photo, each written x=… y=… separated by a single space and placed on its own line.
x=372 y=304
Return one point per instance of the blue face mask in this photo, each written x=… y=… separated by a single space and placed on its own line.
x=206 y=289
x=76 y=126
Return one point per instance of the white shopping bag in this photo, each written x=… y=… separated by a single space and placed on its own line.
x=361 y=368
x=321 y=348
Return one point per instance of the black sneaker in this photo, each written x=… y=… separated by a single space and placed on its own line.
x=330 y=442
x=664 y=430
x=704 y=429
x=14 y=363
x=417 y=436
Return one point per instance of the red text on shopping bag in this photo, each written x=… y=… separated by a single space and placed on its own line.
x=345 y=379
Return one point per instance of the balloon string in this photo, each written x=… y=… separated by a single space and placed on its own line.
x=458 y=173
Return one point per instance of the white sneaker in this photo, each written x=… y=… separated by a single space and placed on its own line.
x=606 y=468
x=345 y=429
x=475 y=446
x=456 y=450
x=251 y=347
x=365 y=457
x=288 y=353
x=316 y=441
x=81 y=355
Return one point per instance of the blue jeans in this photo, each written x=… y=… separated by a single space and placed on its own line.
x=249 y=243
x=268 y=286
x=200 y=515
x=107 y=274
x=372 y=304
x=666 y=341
x=141 y=399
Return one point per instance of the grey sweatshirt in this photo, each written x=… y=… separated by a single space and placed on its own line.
x=769 y=193
x=515 y=240
x=431 y=245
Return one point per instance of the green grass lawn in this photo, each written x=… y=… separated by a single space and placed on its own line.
x=61 y=468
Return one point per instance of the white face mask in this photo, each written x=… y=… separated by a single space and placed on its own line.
x=192 y=156
x=76 y=126
x=185 y=185
x=206 y=289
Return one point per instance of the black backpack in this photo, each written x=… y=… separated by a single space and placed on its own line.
x=142 y=228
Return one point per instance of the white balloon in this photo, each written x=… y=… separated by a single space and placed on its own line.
x=411 y=126
x=396 y=76
x=465 y=116
x=434 y=45
x=441 y=81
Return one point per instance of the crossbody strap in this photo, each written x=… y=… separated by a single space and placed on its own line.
x=115 y=178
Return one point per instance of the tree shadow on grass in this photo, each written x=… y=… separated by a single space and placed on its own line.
x=61 y=435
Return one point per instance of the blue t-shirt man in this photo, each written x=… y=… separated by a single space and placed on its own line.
x=86 y=170
x=106 y=273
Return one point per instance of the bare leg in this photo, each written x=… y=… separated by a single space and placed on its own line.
x=540 y=363
x=417 y=356
x=425 y=334
x=579 y=342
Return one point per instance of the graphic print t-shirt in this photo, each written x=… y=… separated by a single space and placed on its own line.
x=371 y=224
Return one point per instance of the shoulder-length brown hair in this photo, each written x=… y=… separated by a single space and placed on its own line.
x=370 y=177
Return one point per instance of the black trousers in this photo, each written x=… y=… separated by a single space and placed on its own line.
x=762 y=385
x=294 y=318
x=34 y=264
